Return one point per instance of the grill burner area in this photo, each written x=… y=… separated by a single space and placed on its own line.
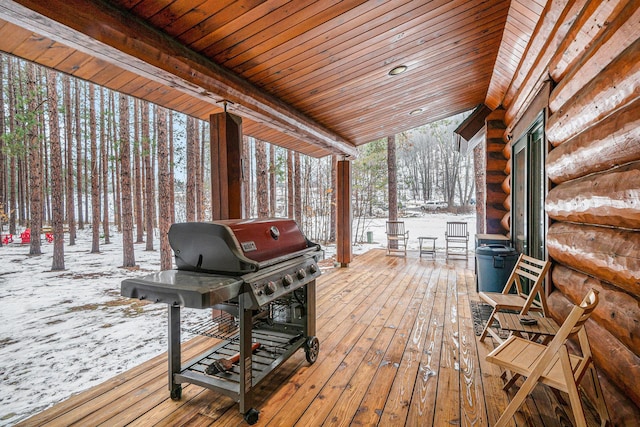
x=259 y=276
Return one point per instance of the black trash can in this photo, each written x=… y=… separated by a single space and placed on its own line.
x=494 y=265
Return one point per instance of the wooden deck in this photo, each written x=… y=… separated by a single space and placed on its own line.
x=397 y=347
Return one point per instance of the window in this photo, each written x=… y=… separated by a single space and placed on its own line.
x=529 y=222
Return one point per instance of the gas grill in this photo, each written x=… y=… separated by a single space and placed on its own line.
x=258 y=276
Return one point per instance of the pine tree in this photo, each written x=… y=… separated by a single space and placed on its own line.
x=57 y=203
x=262 y=188
x=164 y=189
x=35 y=164
x=192 y=165
x=69 y=211
x=95 y=174
x=128 y=254
x=79 y=162
x=104 y=168
x=149 y=211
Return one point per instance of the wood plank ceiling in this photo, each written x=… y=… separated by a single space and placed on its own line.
x=307 y=75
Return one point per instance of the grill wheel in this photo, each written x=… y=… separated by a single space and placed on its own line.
x=312 y=349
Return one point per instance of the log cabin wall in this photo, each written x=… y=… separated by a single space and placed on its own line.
x=591 y=52
x=497 y=166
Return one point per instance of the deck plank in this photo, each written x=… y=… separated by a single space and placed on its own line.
x=331 y=393
x=397 y=347
x=372 y=320
x=472 y=402
x=421 y=409
x=401 y=321
x=447 y=411
x=397 y=406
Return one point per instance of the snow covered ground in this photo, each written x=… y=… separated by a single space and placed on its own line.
x=64 y=332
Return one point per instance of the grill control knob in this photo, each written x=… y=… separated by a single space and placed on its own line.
x=287 y=280
x=301 y=274
x=270 y=288
x=313 y=268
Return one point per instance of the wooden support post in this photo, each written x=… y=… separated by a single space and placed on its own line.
x=343 y=199
x=226 y=166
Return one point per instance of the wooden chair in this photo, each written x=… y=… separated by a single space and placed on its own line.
x=396 y=233
x=456 y=236
x=526 y=269
x=553 y=365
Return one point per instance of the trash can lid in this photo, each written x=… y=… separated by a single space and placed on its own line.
x=499 y=250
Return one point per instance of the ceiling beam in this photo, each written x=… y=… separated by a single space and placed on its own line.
x=99 y=29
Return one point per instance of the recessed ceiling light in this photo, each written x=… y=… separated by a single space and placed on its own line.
x=415 y=112
x=398 y=70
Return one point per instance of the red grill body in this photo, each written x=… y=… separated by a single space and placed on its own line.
x=236 y=246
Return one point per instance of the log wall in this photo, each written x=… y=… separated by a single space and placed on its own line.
x=497 y=165
x=592 y=54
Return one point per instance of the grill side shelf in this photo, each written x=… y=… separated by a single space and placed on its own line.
x=182 y=288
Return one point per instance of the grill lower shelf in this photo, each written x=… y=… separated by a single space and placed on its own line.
x=275 y=347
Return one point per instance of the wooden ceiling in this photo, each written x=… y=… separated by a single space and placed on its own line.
x=307 y=75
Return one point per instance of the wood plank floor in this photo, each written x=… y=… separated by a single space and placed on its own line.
x=397 y=347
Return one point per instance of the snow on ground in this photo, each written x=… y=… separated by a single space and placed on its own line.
x=64 y=332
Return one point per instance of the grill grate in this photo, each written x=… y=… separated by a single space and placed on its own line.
x=224 y=327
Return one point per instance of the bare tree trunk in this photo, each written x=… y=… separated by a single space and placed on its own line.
x=79 y=172
x=246 y=173
x=85 y=163
x=290 y=189
x=334 y=191
x=69 y=211
x=154 y=165
x=393 y=183
x=115 y=170
x=148 y=172
x=4 y=201
x=262 y=189
x=104 y=168
x=35 y=165
x=12 y=157
x=199 y=171
x=272 y=180
x=137 y=174
x=164 y=189
x=192 y=162
x=57 y=204
x=23 y=191
x=172 y=178
x=392 y=178
x=129 y=259
x=95 y=174
x=297 y=190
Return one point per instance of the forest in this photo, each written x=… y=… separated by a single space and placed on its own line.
x=76 y=155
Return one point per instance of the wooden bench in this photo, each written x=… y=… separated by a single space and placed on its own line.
x=49 y=229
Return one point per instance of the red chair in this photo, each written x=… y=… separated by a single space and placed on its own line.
x=49 y=237
x=25 y=236
x=8 y=238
